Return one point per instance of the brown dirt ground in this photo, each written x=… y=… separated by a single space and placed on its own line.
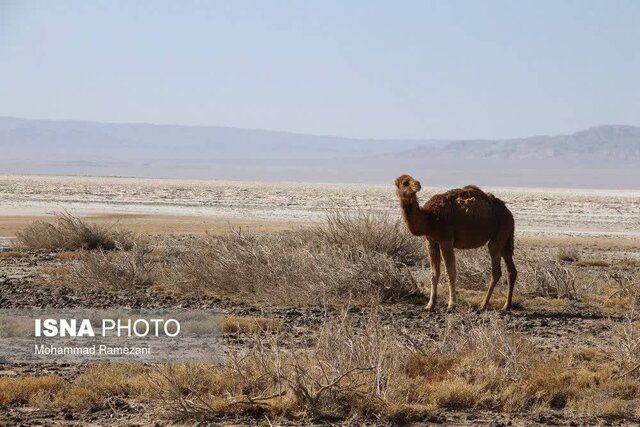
x=551 y=326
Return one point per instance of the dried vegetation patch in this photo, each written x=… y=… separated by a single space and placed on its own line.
x=251 y=325
x=352 y=257
x=366 y=370
x=362 y=368
x=12 y=254
x=293 y=269
x=68 y=232
x=116 y=269
x=592 y=262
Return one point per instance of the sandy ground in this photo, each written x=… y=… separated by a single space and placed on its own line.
x=10 y=225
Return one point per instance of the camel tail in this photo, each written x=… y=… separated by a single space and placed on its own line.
x=510 y=243
x=510 y=246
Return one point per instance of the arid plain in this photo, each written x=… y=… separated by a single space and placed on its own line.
x=325 y=321
x=559 y=212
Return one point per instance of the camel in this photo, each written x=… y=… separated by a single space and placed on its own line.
x=462 y=218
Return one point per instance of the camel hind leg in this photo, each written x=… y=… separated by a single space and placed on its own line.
x=512 y=272
x=495 y=251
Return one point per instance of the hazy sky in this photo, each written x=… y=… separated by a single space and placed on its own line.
x=442 y=69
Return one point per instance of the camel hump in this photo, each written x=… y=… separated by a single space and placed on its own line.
x=472 y=187
x=469 y=200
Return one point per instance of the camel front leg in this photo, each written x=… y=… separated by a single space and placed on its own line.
x=450 y=263
x=434 y=266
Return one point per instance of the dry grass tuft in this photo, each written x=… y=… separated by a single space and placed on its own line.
x=95 y=384
x=567 y=254
x=68 y=232
x=455 y=394
x=251 y=325
x=629 y=262
x=69 y=255
x=12 y=254
x=25 y=390
x=115 y=379
x=592 y=262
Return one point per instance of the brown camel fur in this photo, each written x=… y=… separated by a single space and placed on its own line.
x=462 y=218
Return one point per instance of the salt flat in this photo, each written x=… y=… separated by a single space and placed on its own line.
x=537 y=211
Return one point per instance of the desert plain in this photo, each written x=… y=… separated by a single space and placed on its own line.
x=321 y=286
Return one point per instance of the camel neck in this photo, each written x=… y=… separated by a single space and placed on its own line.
x=413 y=215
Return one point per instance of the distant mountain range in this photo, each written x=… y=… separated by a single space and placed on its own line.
x=599 y=157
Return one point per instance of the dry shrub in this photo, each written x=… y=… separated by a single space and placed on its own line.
x=359 y=369
x=68 y=232
x=363 y=369
x=622 y=288
x=473 y=268
x=595 y=386
x=625 y=344
x=567 y=254
x=349 y=365
x=371 y=231
x=545 y=276
x=121 y=269
x=347 y=373
x=489 y=340
x=293 y=269
x=484 y=365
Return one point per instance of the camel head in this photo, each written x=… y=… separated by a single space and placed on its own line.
x=406 y=186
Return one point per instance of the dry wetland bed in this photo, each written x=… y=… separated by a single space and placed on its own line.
x=324 y=315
